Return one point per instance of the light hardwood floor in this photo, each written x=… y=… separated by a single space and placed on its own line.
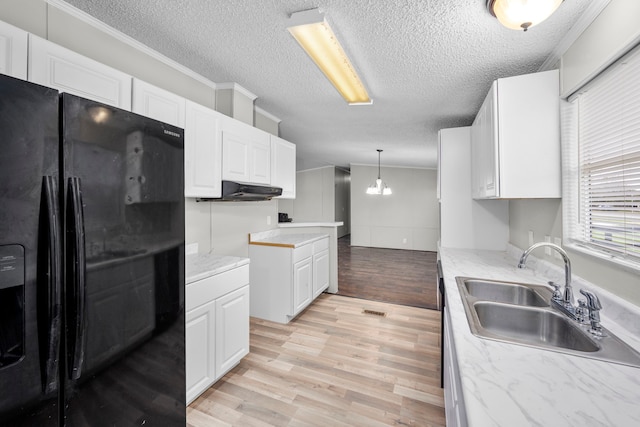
x=333 y=366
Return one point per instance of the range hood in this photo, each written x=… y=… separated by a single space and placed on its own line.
x=240 y=192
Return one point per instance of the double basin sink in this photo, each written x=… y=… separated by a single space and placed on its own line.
x=520 y=313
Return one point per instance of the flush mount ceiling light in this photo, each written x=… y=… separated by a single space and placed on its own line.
x=522 y=14
x=379 y=187
x=315 y=36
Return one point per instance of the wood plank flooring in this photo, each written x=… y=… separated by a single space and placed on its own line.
x=389 y=275
x=333 y=366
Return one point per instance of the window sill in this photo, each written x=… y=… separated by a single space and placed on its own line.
x=630 y=266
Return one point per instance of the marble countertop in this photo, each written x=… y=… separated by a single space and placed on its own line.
x=201 y=266
x=275 y=238
x=510 y=385
x=309 y=224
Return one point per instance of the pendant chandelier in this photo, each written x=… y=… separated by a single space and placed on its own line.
x=379 y=187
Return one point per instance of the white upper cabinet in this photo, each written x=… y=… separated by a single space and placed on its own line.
x=157 y=103
x=283 y=166
x=515 y=139
x=203 y=151
x=13 y=51
x=62 y=69
x=246 y=153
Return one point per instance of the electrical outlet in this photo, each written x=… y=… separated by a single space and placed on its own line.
x=268 y=219
x=404 y=240
x=557 y=241
x=547 y=249
x=530 y=237
x=191 y=248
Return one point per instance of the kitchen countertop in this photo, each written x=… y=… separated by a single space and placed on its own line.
x=274 y=238
x=309 y=224
x=511 y=385
x=201 y=266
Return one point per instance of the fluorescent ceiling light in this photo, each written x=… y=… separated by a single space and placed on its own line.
x=522 y=14
x=315 y=36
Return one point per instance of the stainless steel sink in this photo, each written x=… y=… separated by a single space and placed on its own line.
x=520 y=313
x=535 y=327
x=511 y=293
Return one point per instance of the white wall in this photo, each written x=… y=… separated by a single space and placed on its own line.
x=602 y=42
x=407 y=219
x=315 y=196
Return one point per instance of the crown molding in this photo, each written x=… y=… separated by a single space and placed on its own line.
x=99 y=25
x=587 y=17
x=237 y=88
x=266 y=114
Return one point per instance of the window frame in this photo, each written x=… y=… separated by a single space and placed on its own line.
x=571 y=188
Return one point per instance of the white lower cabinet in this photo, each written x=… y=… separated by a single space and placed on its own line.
x=200 y=353
x=453 y=401
x=217 y=327
x=287 y=279
x=302 y=285
x=232 y=329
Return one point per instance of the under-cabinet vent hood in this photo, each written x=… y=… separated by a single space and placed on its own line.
x=239 y=192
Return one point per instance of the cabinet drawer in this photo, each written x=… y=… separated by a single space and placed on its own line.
x=320 y=245
x=213 y=287
x=302 y=252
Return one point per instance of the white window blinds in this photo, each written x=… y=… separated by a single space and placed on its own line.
x=607 y=204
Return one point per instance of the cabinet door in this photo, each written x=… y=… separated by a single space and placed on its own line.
x=283 y=166
x=260 y=157
x=157 y=103
x=232 y=329
x=13 y=51
x=60 y=68
x=235 y=152
x=203 y=152
x=483 y=149
x=320 y=272
x=246 y=153
x=200 y=349
x=302 y=285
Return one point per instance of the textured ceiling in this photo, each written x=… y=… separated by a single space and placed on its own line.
x=427 y=65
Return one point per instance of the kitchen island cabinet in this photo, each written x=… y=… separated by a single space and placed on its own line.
x=289 y=272
x=217 y=319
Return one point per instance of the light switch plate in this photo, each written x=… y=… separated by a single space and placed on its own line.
x=530 y=237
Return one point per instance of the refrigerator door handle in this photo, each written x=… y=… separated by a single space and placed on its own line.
x=49 y=286
x=76 y=266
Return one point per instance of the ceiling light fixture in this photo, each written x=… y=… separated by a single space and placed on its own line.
x=379 y=187
x=522 y=14
x=314 y=34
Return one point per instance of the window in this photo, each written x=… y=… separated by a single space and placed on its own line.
x=601 y=156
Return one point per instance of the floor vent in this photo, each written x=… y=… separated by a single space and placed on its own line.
x=375 y=313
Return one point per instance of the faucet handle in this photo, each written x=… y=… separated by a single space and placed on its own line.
x=557 y=295
x=593 y=302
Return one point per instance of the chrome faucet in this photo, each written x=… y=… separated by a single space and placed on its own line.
x=594 y=307
x=566 y=302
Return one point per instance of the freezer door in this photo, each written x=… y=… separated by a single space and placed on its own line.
x=124 y=271
x=30 y=276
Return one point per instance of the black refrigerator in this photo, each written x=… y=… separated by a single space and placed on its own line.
x=91 y=263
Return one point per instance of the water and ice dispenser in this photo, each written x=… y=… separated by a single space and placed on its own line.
x=12 y=280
